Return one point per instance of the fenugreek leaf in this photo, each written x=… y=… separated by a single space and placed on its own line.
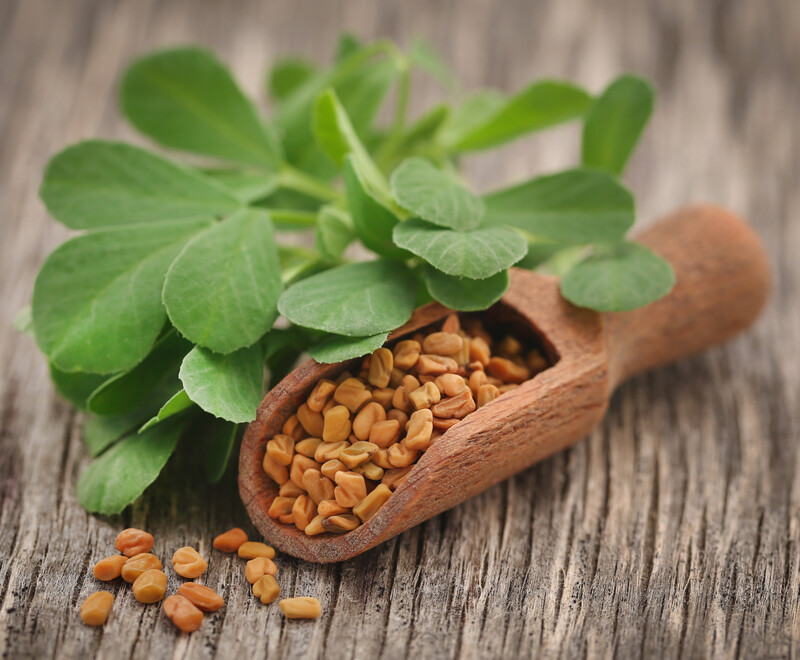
x=541 y=105
x=347 y=45
x=333 y=233
x=227 y=386
x=75 y=387
x=422 y=55
x=246 y=185
x=177 y=403
x=23 y=321
x=287 y=76
x=356 y=300
x=217 y=439
x=222 y=289
x=464 y=294
x=105 y=184
x=477 y=253
x=615 y=122
x=335 y=348
x=428 y=192
x=187 y=99
x=471 y=113
x=618 y=278
x=97 y=300
x=572 y=207
x=100 y=432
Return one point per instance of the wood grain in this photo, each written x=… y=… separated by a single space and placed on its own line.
x=674 y=530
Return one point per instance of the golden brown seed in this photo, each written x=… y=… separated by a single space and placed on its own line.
x=311 y=421
x=426 y=378
x=507 y=388
x=401 y=455
x=420 y=427
x=487 y=393
x=337 y=424
x=458 y=406
x=381 y=459
x=183 y=613
x=462 y=357
x=300 y=608
x=383 y=396
x=315 y=526
x=287 y=519
x=331 y=508
x=327 y=407
x=507 y=371
x=200 y=596
x=308 y=447
x=330 y=468
x=406 y=353
x=318 y=486
x=304 y=510
x=477 y=379
x=433 y=365
x=479 y=350
x=320 y=395
x=369 y=471
x=536 y=361
x=281 y=506
x=340 y=524
x=137 y=565
x=370 y=414
x=393 y=478
x=380 y=368
x=357 y=453
x=281 y=448
x=231 y=540
x=96 y=607
x=188 y=563
x=384 y=434
x=352 y=393
x=400 y=399
x=300 y=464
x=425 y=396
x=350 y=489
x=150 y=586
x=441 y=425
x=451 y=384
x=442 y=343
x=343 y=377
x=266 y=589
x=509 y=346
x=475 y=366
x=398 y=415
x=396 y=377
x=258 y=568
x=293 y=429
x=290 y=489
x=109 y=568
x=329 y=451
x=451 y=324
x=253 y=549
x=277 y=472
x=369 y=506
x=132 y=541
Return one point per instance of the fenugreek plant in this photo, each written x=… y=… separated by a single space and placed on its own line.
x=159 y=318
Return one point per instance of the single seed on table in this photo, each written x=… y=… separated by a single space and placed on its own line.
x=383 y=434
x=331 y=508
x=401 y=455
x=188 y=563
x=280 y=506
x=381 y=459
x=109 y=568
x=231 y=540
x=350 y=489
x=315 y=526
x=330 y=468
x=507 y=371
x=300 y=464
x=132 y=541
x=425 y=396
x=96 y=607
x=393 y=478
x=266 y=589
x=458 y=406
x=293 y=428
x=442 y=343
x=281 y=448
x=318 y=486
x=277 y=472
x=342 y=523
x=183 y=613
x=369 y=471
x=304 y=510
x=311 y=421
x=369 y=506
x=300 y=608
x=370 y=414
x=357 y=453
x=290 y=489
x=137 y=565
x=479 y=350
x=450 y=384
x=477 y=379
x=259 y=567
x=150 y=586
x=380 y=367
x=329 y=451
x=400 y=416
x=406 y=353
x=308 y=447
x=383 y=396
x=320 y=395
x=337 y=424
x=253 y=549
x=487 y=393
x=420 y=427
x=434 y=365
x=200 y=596
x=352 y=394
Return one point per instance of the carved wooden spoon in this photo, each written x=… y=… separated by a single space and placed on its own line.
x=722 y=282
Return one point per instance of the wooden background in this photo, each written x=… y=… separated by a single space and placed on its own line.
x=673 y=531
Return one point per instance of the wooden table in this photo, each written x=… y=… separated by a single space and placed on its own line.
x=672 y=531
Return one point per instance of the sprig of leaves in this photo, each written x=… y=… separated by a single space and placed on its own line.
x=159 y=319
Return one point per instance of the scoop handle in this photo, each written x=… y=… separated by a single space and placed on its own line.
x=722 y=281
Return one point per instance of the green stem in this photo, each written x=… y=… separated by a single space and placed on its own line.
x=299 y=181
x=403 y=90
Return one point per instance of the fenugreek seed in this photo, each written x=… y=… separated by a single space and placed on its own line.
x=433 y=365
x=425 y=396
x=281 y=506
x=487 y=393
x=381 y=459
x=380 y=369
x=253 y=549
x=350 y=489
x=300 y=608
x=266 y=589
x=258 y=568
x=396 y=377
x=477 y=379
x=370 y=414
x=474 y=366
x=458 y=406
x=393 y=478
x=442 y=343
x=406 y=353
x=383 y=396
x=311 y=421
x=293 y=429
x=328 y=451
x=479 y=350
x=451 y=324
x=352 y=393
x=315 y=526
x=340 y=524
x=231 y=540
x=137 y=565
x=509 y=346
x=369 y=506
x=308 y=447
x=304 y=510
x=330 y=468
x=357 y=453
x=474 y=328
x=300 y=464
x=507 y=371
x=399 y=416
x=188 y=563
x=401 y=455
x=287 y=518
x=281 y=449
x=462 y=357
x=337 y=424
x=150 y=586
x=96 y=607
x=370 y=471
x=109 y=568
x=384 y=434
x=200 y=596
x=277 y=472
x=320 y=395
x=451 y=384
x=290 y=489
x=318 y=486
x=536 y=361
x=507 y=388
x=328 y=406
x=442 y=424
x=420 y=427
x=426 y=378
x=410 y=382
x=400 y=399
x=329 y=508
x=342 y=377
x=183 y=613
x=132 y=541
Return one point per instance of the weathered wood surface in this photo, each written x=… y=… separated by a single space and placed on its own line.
x=674 y=530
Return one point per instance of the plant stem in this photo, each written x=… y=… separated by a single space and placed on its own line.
x=302 y=182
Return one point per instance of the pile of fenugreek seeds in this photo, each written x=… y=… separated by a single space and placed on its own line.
x=138 y=566
x=354 y=440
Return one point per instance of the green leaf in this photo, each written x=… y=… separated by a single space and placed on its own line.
x=97 y=299
x=227 y=386
x=287 y=76
x=75 y=387
x=247 y=186
x=463 y=294
x=336 y=348
x=473 y=112
x=176 y=404
x=122 y=473
x=576 y=206
x=422 y=55
x=222 y=290
x=187 y=99
x=478 y=253
x=435 y=196
x=538 y=252
x=102 y=184
x=298 y=262
x=348 y=45
x=541 y=105
x=618 y=278
x=333 y=233
x=355 y=300
x=615 y=123
x=23 y=321
x=99 y=433
x=124 y=392
x=217 y=439
x=423 y=131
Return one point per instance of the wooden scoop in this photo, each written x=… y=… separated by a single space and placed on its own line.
x=722 y=282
